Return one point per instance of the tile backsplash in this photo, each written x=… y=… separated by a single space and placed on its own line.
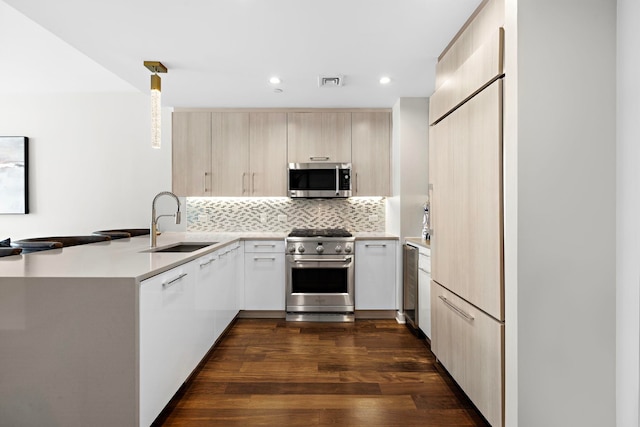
x=280 y=214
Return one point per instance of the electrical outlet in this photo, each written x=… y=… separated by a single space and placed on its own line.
x=263 y=218
x=203 y=218
x=282 y=218
x=373 y=218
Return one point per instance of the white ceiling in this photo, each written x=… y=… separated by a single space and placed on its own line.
x=221 y=53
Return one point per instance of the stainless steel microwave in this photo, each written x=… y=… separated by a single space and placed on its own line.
x=319 y=180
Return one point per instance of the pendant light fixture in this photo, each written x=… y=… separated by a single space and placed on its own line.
x=156 y=106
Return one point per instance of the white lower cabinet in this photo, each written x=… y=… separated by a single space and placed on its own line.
x=182 y=313
x=226 y=296
x=264 y=275
x=207 y=269
x=468 y=343
x=167 y=337
x=375 y=274
x=424 y=291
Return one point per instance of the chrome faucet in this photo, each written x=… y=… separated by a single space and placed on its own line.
x=154 y=219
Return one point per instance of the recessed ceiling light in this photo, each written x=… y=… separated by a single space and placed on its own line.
x=274 y=80
x=385 y=80
x=278 y=90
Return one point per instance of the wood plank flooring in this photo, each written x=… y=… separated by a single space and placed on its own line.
x=268 y=372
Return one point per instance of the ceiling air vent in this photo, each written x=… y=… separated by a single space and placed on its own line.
x=330 y=81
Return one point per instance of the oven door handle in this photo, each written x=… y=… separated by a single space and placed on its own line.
x=321 y=260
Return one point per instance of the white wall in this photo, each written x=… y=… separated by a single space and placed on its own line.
x=410 y=174
x=410 y=166
x=628 y=214
x=91 y=162
x=565 y=225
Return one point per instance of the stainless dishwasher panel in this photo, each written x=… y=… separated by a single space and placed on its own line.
x=410 y=257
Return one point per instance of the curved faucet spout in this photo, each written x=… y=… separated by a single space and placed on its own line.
x=154 y=218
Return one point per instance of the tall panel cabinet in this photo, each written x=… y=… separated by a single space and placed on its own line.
x=465 y=177
x=466 y=183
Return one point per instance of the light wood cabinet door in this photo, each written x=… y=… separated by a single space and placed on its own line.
x=466 y=156
x=268 y=154
x=484 y=65
x=468 y=343
x=371 y=153
x=319 y=137
x=191 y=154
x=230 y=154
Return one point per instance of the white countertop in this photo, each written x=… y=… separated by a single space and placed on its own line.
x=374 y=235
x=128 y=258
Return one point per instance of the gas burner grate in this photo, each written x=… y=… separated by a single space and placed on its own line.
x=319 y=232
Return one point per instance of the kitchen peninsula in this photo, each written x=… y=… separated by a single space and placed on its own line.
x=105 y=333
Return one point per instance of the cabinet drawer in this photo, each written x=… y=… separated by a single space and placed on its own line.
x=424 y=263
x=469 y=344
x=276 y=246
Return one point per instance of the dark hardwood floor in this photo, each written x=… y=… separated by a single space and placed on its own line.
x=275 y=373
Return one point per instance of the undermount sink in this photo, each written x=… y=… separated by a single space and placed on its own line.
x=183 y=247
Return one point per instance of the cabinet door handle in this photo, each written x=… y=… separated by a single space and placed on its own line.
x=204 y=264
x=270 y=245
x=356 y=183
x=457 y=309
x=166 y=285
x=302 y=261
x=430 y=226
x=319 y=158
x=243 y=186
x=423 y=270
x=204 y=182
x=368 y=245
x=255 y=258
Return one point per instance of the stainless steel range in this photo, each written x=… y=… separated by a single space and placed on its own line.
x=320 y=275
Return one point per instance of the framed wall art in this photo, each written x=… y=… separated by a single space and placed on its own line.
x=14 y=175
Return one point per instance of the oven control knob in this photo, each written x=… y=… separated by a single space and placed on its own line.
x=291 y=248
x=347 y=248
x=320 y=249
x=301 y=248
x=338 y=248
